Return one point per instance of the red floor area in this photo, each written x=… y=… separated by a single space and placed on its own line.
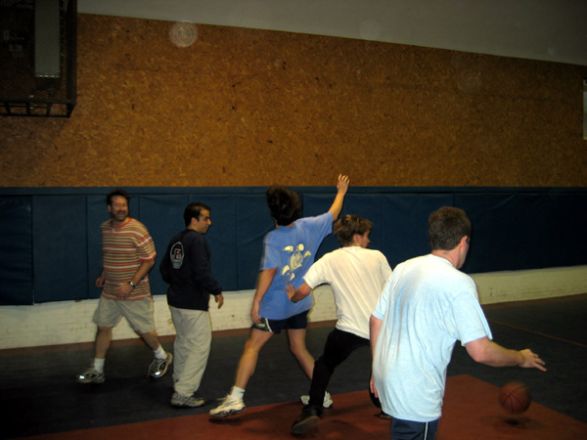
x=471 y=412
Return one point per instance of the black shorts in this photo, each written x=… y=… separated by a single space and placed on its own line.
x=295 y=322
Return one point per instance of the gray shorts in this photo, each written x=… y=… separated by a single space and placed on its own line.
x=138 y=313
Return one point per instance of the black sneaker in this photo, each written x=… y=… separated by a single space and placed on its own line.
x=307 y=422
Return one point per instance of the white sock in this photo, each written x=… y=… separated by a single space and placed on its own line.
x=237 y=392
x=160 y=353
x=99 y=365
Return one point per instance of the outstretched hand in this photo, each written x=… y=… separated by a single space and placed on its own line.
x=532 y=360
x=342 y=185
x=291 y=291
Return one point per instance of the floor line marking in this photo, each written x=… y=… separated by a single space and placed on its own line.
x=545 y=335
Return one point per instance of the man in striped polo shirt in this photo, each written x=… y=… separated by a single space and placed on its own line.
x=128 y=254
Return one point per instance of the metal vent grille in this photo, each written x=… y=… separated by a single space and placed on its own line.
x=38 y=57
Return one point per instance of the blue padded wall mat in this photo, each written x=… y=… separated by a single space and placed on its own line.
x=50 y=240
x=16 y=253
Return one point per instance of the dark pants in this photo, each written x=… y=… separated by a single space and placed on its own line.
x=338 y=347
x=407 y=430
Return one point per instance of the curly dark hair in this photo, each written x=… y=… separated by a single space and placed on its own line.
x=284 y=204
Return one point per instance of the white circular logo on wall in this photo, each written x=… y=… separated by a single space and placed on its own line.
x=183 y=34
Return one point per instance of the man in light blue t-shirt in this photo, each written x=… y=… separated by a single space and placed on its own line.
x=424 y=309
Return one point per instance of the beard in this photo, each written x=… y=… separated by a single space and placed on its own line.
x=119 y=215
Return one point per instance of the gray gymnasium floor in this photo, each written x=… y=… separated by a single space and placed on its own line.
x=38 y=393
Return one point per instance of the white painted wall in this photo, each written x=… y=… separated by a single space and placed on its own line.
x=67 y=322
x=550 y=30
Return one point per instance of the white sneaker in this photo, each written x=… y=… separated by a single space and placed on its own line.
x=327 y=403
x=90 y=376
x=183 y=401
x=159 y=367
x=228 y=407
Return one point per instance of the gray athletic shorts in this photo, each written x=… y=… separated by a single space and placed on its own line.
x=138 y=313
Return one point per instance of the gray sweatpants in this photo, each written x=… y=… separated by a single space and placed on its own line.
x=191 y=348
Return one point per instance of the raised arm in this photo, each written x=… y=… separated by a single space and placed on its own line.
x=342 y=185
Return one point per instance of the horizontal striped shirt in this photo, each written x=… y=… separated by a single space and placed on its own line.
x=124 y=248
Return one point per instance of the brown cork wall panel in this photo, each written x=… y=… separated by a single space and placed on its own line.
x=245 y=107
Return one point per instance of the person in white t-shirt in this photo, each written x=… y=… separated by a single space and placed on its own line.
x=426 y=307
x=357 y=276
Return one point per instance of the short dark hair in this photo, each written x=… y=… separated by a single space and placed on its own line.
x=349 y=225
x=446 y=227
x=193 y=210
x=117 y=193
x=284 y=204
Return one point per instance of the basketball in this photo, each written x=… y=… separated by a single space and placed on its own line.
x=514 y=397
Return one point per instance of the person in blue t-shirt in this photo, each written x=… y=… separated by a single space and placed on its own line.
x=289 y=250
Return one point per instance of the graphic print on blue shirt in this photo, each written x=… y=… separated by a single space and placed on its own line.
x=291 y=250
x=296 y=260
